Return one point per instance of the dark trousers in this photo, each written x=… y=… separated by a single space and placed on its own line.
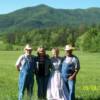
x=42 y=86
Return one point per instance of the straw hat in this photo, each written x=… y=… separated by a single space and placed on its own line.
x=69 y=47
x=28 y=47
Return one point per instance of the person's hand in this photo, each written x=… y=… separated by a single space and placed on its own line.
x=72 y=77
x=18 y=68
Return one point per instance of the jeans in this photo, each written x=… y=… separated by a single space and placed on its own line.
x=71 y=89
x=25 y=82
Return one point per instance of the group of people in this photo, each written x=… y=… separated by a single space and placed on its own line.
x=55 y=76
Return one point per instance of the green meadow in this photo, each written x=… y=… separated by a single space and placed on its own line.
x=87 y=84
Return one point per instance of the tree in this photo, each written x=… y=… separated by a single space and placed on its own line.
x=89 y=41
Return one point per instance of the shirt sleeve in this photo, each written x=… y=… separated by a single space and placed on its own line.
x=18 y=62
x=77 y=64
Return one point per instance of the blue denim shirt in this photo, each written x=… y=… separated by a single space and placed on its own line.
x=69 y=65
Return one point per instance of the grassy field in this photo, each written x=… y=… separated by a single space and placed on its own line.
x=87 y=84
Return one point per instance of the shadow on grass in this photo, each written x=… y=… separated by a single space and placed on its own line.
x=79 y=99
x=98 y=98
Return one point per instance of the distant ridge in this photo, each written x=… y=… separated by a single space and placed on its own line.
x=43 y=16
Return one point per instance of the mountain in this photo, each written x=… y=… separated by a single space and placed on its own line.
x=43 y=16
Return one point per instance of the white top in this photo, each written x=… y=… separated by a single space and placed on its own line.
x=21 y=61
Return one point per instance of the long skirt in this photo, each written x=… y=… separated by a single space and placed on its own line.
x=56 y=89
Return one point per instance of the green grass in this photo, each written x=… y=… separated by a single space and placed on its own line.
x=87 y=84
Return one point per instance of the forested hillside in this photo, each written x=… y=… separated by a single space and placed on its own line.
x=43 y=25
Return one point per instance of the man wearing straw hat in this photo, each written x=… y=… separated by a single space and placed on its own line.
x=26 y=67
x=70 y=68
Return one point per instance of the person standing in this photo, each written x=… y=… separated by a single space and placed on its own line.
x=26 y=67
x=56 y=89
x=43 y=67
x=70 y=68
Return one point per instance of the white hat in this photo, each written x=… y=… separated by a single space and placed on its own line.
x=28 y=47
x=69 y=47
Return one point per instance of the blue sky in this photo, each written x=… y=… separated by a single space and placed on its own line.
x=7 y=6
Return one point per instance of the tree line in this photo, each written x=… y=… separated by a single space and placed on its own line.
x=85 y=38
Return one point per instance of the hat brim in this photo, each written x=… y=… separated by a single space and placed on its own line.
x=28 y=48
x=69 y=49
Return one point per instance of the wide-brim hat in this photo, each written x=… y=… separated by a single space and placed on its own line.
x=69 y=47
x=28 y=47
